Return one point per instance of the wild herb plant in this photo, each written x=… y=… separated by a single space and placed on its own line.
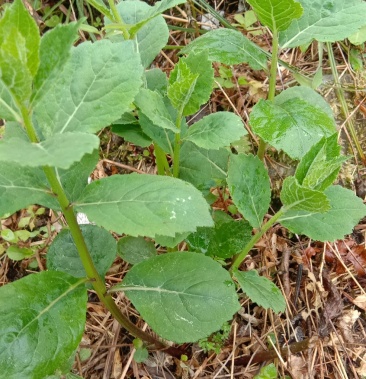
x=55 y=97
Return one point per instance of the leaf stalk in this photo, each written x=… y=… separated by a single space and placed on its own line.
x=256 y=237
x=272 y=85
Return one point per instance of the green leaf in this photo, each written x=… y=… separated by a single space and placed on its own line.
x=23 y=186
x=144 y=205
x=195 y=92
x=181 y=86
x=17 y=253
x=203 y=168
x=97 y=85
x=135 y=249
x=345 y=211
x=141 y=355
x=42 y=325
x=151 y=104
x=75 y=178
x=100 y=6
x=171 y=241
x=193 y=293
x=320 y=165
x=292 y=126
x=163 y=137
x=359 y=37
x=158 y=8
x=227 y=238
x=17 y=21
x=276 y=14
x=307 y=94
x=19 y=59
x=156 y=80
x=296 y=196
x=8 y=106
x=63 y=255
x=132 y=133
x=59 y=150
x=229 y=47
x=267 y=372
x=216 y=130
x=152 y=37
x=325 y=21
x=261 y=290
x=249 y=186
x=54 y=52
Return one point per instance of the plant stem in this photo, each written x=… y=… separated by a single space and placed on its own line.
x=241 y=256
x=176 y=154
x=84 y=253
x=118 y=19
x=342 y=100
x=274 y=63
x=272 y=85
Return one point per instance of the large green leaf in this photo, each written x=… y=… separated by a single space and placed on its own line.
x=23 y=186
x=346 y=210
x=63 y=256
x=19 y=52
x=249 y=186
x=182 y=296
x=59 y=150
x=292 y=126
x=261 y=290
x=152 y=105
x=320 y=165
x=152 y=37
x=54 y=51
x=296 y=196
x=42 y=320
x=325 y=21
x=276 y=14
x=194 y=92
x=229 y=47
x=216 y=130
x=98 y=84
x=203 y=168
x=144 y=205
x=227 y=238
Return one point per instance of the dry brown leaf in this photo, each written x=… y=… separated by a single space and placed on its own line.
x=297 y=366
x=346 y=323
x=360 y=301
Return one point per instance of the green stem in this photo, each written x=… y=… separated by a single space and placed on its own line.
x=272 y=85
x=84 y=253
x=241 y=256
x=176 y=154
x=342 y=100
x=118 y=19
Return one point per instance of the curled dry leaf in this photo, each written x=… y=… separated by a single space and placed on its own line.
x=360 y=301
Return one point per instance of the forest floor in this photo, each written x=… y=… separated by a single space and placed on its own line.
x=322 y=334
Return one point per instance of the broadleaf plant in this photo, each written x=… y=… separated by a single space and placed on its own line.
x=54 y=97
